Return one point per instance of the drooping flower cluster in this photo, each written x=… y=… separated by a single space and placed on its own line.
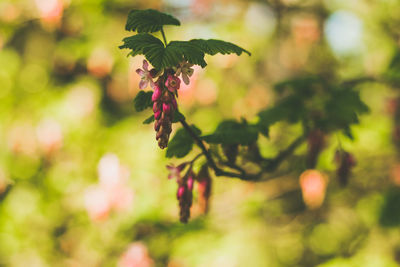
x=164 y=106
x=204 y=188
x=164 y=96
x=185 y=188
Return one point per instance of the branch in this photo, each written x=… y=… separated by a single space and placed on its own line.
x=210 y=160
x=272 y=164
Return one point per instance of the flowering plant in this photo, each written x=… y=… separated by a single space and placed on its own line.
x=232 y=140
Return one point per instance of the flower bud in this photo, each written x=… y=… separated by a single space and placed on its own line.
x=157 y=115
x=157 y=94
x=157 y=125
x=156 y=107
x=166 y=108
x=190 y=182
x=181 y=191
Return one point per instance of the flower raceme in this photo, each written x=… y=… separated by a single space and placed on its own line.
x=163 y=97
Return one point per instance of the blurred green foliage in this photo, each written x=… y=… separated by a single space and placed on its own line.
x=83 y=183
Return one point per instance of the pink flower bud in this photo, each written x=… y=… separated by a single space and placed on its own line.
x=156 y=107
x=166 y=108
x=157 y=125
x=157 y=94
x=181 y=191
x=190 y=182
x=157 y=114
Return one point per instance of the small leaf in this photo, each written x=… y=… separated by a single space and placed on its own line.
x=143 y=100
x=232 y=132
x=178 y=116
x=143 y=44
x=149 y=120
x=289 y=109
x=213 y=47
x=343 y=108
x=149 y=20
x=182 y=143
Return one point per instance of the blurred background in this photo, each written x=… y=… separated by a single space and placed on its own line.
x=83 y=182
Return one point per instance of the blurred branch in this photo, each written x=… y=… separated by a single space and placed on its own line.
x=272 y=164
x=210 y=160
x=269 y=164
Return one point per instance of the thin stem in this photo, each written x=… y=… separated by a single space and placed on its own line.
x=163 y=35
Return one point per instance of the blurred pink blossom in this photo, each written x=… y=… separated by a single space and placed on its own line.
x=100 y=62
x=97 y=203
x=313 y=186
x=50 y=11
x=81 y=101
x=21 y=139
x=49 y=135
x=112 y=192
x=136 y=256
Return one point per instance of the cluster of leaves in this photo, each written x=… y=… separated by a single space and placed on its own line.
x=167 y=55
x=316 y=103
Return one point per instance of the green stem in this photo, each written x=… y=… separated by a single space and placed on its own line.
x=163 y=35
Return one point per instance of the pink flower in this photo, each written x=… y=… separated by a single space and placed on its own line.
x=185 y=68
x=172 y=83
x=145 y=76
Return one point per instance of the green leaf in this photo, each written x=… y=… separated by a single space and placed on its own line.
x=149 y=120
x=178 y=116
x=213 y=47
x=149 y=20
x=390 y=210
x=176 y=52
x=232 y=132
x=182 y=143
x=163 y=57
x=289 y=109
x=343 y=108
x=143 y=44
x=143 y=100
